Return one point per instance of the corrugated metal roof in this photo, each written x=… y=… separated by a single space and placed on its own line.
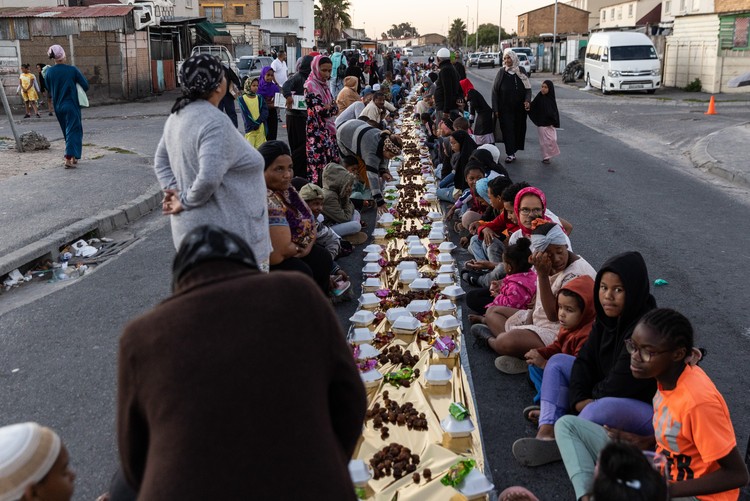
x=67 y=12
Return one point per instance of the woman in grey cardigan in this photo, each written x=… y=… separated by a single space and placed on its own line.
x=209 y=173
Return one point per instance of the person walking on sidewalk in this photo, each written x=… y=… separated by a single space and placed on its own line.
x=29 y=88
x=42 y=69
x=209 y=173
x=338 y=71
x=545 y=116
x=511 y=97
x=296 y=117
x=61 y=80
x=280 y=69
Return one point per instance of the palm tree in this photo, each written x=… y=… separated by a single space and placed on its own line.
x=332 y=18
x=457 y=33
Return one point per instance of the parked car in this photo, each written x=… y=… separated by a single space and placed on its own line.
x=529 y=54
x=486 y=60
x=250 y=66
x=407 y=52
x=473 y=58
x=221 y=52
x=622 y=61
x=498 y=57
x=524 y=63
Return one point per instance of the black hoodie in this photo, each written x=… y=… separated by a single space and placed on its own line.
x=295 y=85
x=602 y=368
x=448 y=88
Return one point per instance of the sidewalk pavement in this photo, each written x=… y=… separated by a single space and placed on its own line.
x=45 y=209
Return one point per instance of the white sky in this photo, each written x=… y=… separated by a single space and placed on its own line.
x=436 y=16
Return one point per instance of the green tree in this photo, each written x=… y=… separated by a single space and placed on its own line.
x=487 y=35
x=332 y=18
x=457 y=33
x=402 y=30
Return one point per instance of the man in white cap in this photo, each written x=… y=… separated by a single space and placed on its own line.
x=33 y=464
x=448 y=88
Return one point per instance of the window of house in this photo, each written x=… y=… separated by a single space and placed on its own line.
x=239 y=10
x=630 y=10
x=612 y=14
x=683 y=5
x=189 y=4
x=619 y=12
x=741 y=25
x=604 y=15
x=214 y=14
x=281 y=9
x=522 y=25
x=667 y=6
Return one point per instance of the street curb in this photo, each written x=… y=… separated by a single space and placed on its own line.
x=703 y=160
x=104 y=222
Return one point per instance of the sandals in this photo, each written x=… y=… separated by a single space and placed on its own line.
x=511 y=365
x=545 y=161
x=517 y=493
x=536 y=452
x=510 y=159
x=482 y=335
x=527 y=413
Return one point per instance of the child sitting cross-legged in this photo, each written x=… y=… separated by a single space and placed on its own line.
x=338 y=208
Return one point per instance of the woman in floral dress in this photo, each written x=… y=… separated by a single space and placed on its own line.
x=321 y=112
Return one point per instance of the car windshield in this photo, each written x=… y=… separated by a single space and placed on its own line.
x=632 y=53
x=522 y=57
x=244 y=64
x=523 y=51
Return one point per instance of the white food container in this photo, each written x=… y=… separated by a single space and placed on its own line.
x=408 y=276
x=444 y=280
x=434 y=216
x=406 y=265
x=395 y=313
x=446 y=247
x=436 y=236
x=438 y=375
x=413 y=239
x=369 y=300
x=362 y=318
x=453 y=291
x=362 y=335
x=430 y=197
x=374 y=248
x=445 y=258
x=421 y=284
x=417 y=250
x=446 y=268
x=406 y=325
x=419 y=305
x=371 y=284
x=371 y=378
x=359 y=472
x=456 y=428
x=447 y=323
x=372 y=257
x=367 y=351
x=371 y=268
x=386 y=220
x=378 y=233
x=444 y=307
x=475 y=485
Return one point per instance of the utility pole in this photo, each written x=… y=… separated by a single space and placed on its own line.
x=466 y=44
x=500 y=32
x=9 y=114
x=554 y=42
x=476 y=38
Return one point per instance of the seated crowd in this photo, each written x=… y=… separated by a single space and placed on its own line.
x=618 y=390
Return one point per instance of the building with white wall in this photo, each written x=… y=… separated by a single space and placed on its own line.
x=593 y=6
x=630 y=14
x=291 y=24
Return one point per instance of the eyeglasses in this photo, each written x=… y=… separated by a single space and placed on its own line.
x=643 y=354
x=526 y=211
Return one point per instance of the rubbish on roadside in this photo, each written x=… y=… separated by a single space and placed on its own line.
x=660 y=281
x=66 y=256
x=106 y=240
x=83 y=249
x=14 y=278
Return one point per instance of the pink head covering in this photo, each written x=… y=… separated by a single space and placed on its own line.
x=56 y=52
x=517 y=203
x=315 y=83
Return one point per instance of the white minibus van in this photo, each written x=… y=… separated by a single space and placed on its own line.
x=622 y=61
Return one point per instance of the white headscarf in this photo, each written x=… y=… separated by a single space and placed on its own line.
x=493 y=151
x=514 y=69
x=27 y=453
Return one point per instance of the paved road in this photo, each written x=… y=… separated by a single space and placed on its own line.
x=618 y=194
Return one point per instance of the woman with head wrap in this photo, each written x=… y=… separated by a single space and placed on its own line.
x=466 y=147
x=267 y=89
x=348 y=95
x=321 y=115
x=511 y=95
x=513 y=332
x=483 y=122
x=208 y=171
x=191 y=377
x=291 y=222
x=34 y=464
x=254 y=113
x=485 y=158
x=296 y=115
x=545 y=116
x=62 y=80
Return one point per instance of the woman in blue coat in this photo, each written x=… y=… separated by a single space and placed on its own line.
x=61 y=80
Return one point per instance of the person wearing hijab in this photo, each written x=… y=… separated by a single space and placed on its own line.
x=467 y=146
x=62 y=80
x=354 y=69
x=34 y=464
x=254 y=113
x=234 y=90
x=268 y=89
x=199 y=383
x=484 y=127
x=544 y=115
x=292 y=225
x=484 y=157
x=348 y=95
x=511 y=96
x=463 y=80
x=208 y=171
x=321 y=115
x=296 y=117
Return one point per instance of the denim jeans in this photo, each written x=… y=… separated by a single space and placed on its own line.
x=483 y=252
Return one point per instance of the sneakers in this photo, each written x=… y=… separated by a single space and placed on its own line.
x=38 y=115
x=536 y=452
x=341 y=287
x=357 y=238
x=26 y=115
x=482 y=334
x=511 y=365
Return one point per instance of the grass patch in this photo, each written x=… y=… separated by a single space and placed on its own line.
x=664 y=99
x=89 y=145
x=119 y=150
x=97 y=157
x=696 y=100
x=3 y=138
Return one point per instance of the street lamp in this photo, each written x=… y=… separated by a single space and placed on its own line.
x=554 y=40
x=466 y=43
x=476 y=36
x=500 y=29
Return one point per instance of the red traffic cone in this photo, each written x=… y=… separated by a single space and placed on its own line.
x=711 y=107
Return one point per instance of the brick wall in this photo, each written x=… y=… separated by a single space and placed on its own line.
x=250 y=10
x=732 y=5
x=569 y=20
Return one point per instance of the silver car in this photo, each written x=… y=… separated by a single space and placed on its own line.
x=250 y=66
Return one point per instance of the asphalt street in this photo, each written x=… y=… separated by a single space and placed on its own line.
x=619 y=188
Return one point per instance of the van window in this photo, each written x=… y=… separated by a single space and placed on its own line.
x=634 y=53
x=591 y=52
x=605 y=54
